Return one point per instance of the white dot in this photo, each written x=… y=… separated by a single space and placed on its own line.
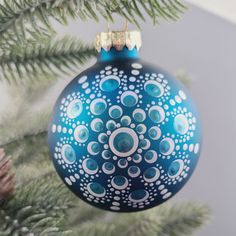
x=178 y=99
x=196 y=148
x=64 y=130
x=77 y=176
x=108 y=68
x=82 y=79
x=68 y=181
x=185 y=147
x=116 y=203
x=137 y=66
x=115 y=208
x=72 y=179
x=167 y=195
x=135 y=72
x=54 y=128
x=191 y=147
x=172 y=102
x=59 y=128
x=182 y=95
x=85 y=85
x=164 y=191
x=132 y=79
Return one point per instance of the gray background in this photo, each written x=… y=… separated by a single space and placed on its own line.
x=203 y=45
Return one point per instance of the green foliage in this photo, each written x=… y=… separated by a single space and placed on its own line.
x=42 y=205
x=27 y=50
x=38 y=208
x=166 y=220
x=42 y=59
x=15 y=15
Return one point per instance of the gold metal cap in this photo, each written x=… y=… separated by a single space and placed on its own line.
x=118 y=40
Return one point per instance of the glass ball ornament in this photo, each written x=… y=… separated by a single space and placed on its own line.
x=124 y=135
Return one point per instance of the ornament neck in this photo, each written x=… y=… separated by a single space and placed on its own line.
x=114 y=54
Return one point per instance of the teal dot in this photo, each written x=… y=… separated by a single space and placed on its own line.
x=74 y=109
x=95 y=147
x=133 y=169
x=167 y=146
x=138 y=117
x=156 y=115
x=129 y=99
x=125 y=121
x=122 y=162
x=164 y=146
x=139 y=129
x=137 y=158
x=97 y=188
x=69 y=154
x=110 y=83
x=149 y=155
x=152 y=133
x=154 y=88
x=150 y=173
x=103 y=138
x=83 y=134
x=106 y=154
x=119 y=180
x=99 y=107
x=109 y=166
x=111 y=125
x=116 y=112
x=99 y=126
x=138 y=194
x=181 y=124
x=174 y=168
x=123 y=142
x=143 y=143
x=91 y=164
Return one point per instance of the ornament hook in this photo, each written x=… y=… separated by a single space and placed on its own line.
x=126 y=26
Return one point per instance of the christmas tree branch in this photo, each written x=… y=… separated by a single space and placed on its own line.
x=41 y=60
x=38 y=208
x=166 y=220
x=18 y=15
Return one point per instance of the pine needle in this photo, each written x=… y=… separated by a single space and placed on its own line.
x=42 y=60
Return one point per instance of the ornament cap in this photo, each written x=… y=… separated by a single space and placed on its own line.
x=118 y=40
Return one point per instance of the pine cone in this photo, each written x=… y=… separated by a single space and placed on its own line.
x=7 y=181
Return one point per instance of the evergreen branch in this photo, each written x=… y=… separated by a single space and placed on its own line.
x=38 y=208
x=36 y=60
x=166 y=220
x=19 y=15
x=183 y=219
x=15 y=133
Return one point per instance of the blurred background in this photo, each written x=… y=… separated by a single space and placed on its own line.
x=203 y=44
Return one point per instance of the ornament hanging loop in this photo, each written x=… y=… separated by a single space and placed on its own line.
x=126 y=26
x=118 y=39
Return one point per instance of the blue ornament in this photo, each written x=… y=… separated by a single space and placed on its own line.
x=124 y=135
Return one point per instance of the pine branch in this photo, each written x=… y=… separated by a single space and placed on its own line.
x=38 y=208
x=14 y=133
x=41 y=60
x=166 y=220
x=19 y=15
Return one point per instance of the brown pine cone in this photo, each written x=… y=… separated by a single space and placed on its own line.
x=7 y=180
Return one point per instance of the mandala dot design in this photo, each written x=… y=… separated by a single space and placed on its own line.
x=124 y=136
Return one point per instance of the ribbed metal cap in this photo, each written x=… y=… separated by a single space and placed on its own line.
x=118 y=40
